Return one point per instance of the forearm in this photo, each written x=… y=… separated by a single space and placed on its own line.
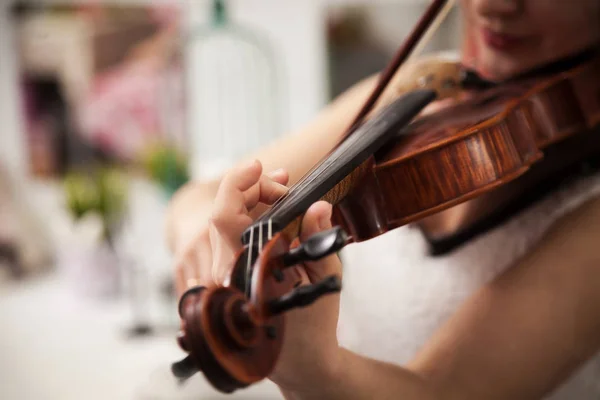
x=359 y=377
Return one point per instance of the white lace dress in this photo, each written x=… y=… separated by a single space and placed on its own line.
x=392 y=275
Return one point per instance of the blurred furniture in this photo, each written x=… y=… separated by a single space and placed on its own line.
x=10 y=260
x=25 y=246
x=71 y=49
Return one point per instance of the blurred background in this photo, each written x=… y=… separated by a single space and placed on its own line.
x=106 y=108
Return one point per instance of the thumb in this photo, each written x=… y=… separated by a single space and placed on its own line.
x=317 y=219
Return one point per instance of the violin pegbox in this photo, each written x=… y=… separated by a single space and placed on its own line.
x=276 y=285
x=233 y=336
x=225 y=340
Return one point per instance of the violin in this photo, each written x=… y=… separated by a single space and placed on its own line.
x=396 y=165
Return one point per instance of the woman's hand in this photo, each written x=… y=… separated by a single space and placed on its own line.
x=310 y=355
x=202 y=261
x=310 y=348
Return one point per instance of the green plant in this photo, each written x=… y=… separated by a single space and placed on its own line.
x=167 y=166
x=102 y=191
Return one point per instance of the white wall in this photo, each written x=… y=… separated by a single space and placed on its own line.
x=295 y=37
x=12 y=153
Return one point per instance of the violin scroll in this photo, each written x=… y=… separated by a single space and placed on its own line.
x=225 y=340
x=235 y=339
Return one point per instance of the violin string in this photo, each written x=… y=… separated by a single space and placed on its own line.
x=305 y=177
x=340 y=156
x=260 y=238
x=249 y=260
x=300 y=187
x=347 y=147
x=249 y=265
x=270 y=231
x=297 y=186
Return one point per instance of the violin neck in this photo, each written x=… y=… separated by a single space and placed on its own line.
x=333 y=177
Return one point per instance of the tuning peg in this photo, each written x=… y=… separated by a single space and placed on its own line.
x=305 y=295
x=184 y=369
x=317 y=246
x=191 y=291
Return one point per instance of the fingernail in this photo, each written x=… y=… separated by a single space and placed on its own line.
x=251 y=164
x=281 y=187
x=325 y=220
x=276 y=172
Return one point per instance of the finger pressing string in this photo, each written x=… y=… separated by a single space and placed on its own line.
x=230 y=195
x=229 y=207
x=279 y=175
x=242 y=189
x=266 y=191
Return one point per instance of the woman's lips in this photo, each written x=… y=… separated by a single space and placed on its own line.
x=500 y=41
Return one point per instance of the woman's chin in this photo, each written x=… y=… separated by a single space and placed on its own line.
x=497 y=68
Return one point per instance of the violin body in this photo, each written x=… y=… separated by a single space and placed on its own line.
x=464 y=151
